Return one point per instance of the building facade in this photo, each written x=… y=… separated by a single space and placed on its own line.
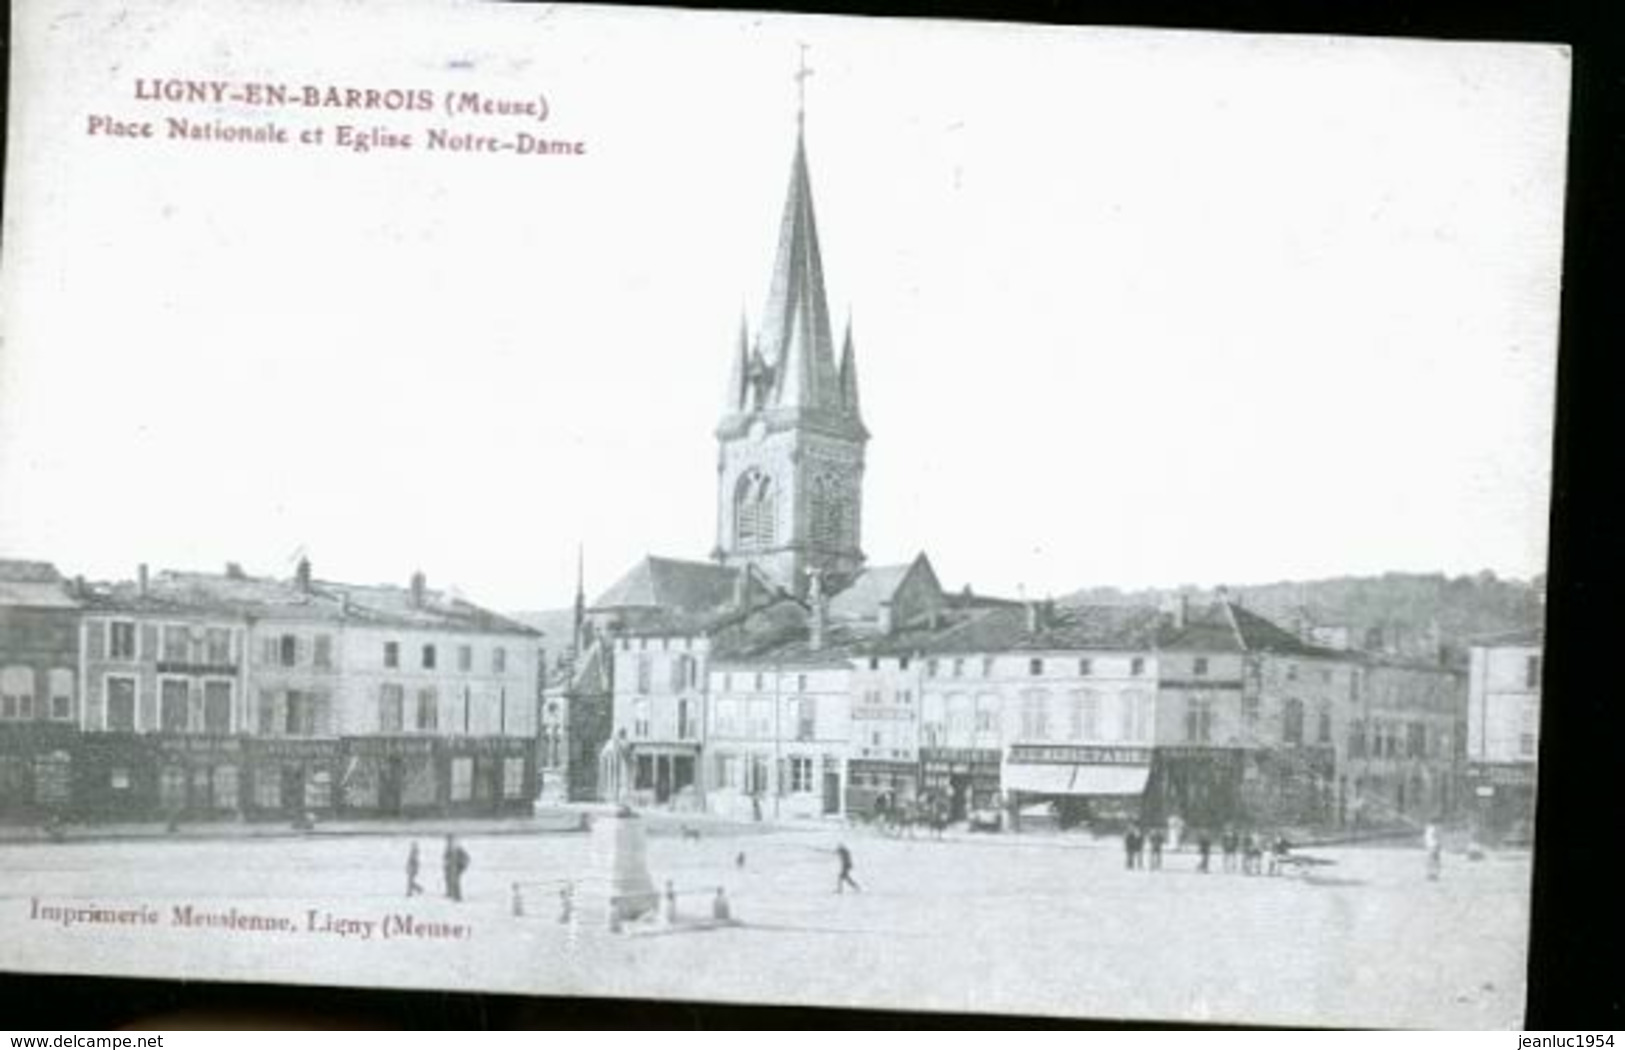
x=39 y=673
x=1503 y=733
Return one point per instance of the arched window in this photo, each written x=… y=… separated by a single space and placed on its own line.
x=755 y=511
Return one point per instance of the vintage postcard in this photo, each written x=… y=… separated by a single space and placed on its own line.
x=759 y=508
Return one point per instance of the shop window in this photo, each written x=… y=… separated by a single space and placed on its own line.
x=172 y=789
x=462 y=779
x=225 y=787
x=121 y=640
x=120 y=704
x=319 y=789
x=513 y=778
x=51 y=779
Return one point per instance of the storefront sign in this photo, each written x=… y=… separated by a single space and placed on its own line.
x=298 y=750
x=387 y=746
x=199 y=745
x=212 y=670
x=1080 y=756
x=1514 y=775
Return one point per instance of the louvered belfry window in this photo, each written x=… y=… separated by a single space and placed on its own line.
x=755 y=511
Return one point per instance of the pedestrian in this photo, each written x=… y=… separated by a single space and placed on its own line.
x=720 y=912
x=1157 y=837
x=669 y=911
x=845 y=879
x=1250 y=854
x=1228 y=843
x=1204 y=849
x=453 y=863
x=1430 y=842
x=739 y=861
x=756 y=808
x=1128 y=847
x=413 y=866
x=1176 y=832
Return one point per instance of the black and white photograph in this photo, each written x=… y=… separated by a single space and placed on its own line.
x=777 y=509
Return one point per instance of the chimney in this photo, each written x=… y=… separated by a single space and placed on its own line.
x=885 y=617
x=141 y=579
x=234 y=571
x=818 y=625
x=419 y=583
x=302 y=575
x=79 y=588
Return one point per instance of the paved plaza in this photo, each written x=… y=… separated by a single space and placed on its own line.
x=1032 y=924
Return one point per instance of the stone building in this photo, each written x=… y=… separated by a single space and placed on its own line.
x=1503 y=732
x=39 y=696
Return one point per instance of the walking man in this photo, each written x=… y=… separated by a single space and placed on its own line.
x=1430 y=841
x=1227 y=842
x=453 y=863
x=1204 y=848
x=845 y=879
x=1157 y=836
x=413 y=866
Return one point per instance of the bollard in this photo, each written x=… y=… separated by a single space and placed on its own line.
x=518 y=902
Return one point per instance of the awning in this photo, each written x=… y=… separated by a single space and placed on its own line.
x=1051 y=779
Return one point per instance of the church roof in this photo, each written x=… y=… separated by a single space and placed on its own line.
x=669 y=583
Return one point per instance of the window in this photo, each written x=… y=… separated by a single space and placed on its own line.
x=874 y=665
x=1142 y=716
x=679 y=673
x=225 y=787
x=685 y=724
x=806 y=718
x=727 y=713
x=959 y=667
x=987 y=667
x=1292 y=721
x=428 y=657
x=640 y=719
x=1356 y=742
x=1531 y=673
x=801 y=774
x=760 y=715
x=1324 y=734
x=288 y=650
x=760 y=682
x=428 y=709
x=1085 y=715
x=322 y=655
x=176 y=644
x=755 y=511
x=217 y=707
x=801 y=683
x=931 y=668
x=1199 y=667
x=305 y=713
x=1035 y=714
x=1137 y=666
x=121 y=640
x=120 y=704
x=1198 y=720
x=987 y=713
x=902 y=663
x=268 y=787
x=465 y=658
x=462 y=778
x=217 y=644
x=513 y=778
x=1085 y=667
x=645 y=672
x=391 y=701
x=17 y=693
x=499 y=660
x=1416 y=740
x=392 y=654
x=174 y=695
x=1249 y=710
x=1326 y=675
x=61 y=681
x=1292 y=672
x=1527 y=719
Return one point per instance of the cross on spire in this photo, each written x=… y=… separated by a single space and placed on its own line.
x=801 y=75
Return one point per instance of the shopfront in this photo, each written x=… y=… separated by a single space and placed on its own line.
x=1097 y=786
x=1503 y=801
x=199 y=777
x=291 y=777
x=875 y=786
x=487 y=775
x=963 y=779
x=36 y=770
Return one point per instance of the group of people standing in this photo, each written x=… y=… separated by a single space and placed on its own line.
x=454 y=861
x=1244 y=851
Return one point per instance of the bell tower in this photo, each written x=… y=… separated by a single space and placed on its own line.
x=791 y=439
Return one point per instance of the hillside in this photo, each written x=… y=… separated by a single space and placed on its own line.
x=1411 y=614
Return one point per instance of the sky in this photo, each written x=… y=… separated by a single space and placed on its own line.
x=1131 y=307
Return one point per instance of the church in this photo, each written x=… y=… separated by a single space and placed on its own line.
x=787 y=677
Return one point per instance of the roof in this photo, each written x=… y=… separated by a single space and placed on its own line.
x=386 y=605
x=668 y=583
x=1529 y=636
x=33 y=585
x=1225 y=627
x=862 y=597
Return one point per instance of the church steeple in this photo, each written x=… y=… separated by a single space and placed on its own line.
x=791 y=441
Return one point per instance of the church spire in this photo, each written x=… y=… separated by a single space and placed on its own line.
x=849 y=376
